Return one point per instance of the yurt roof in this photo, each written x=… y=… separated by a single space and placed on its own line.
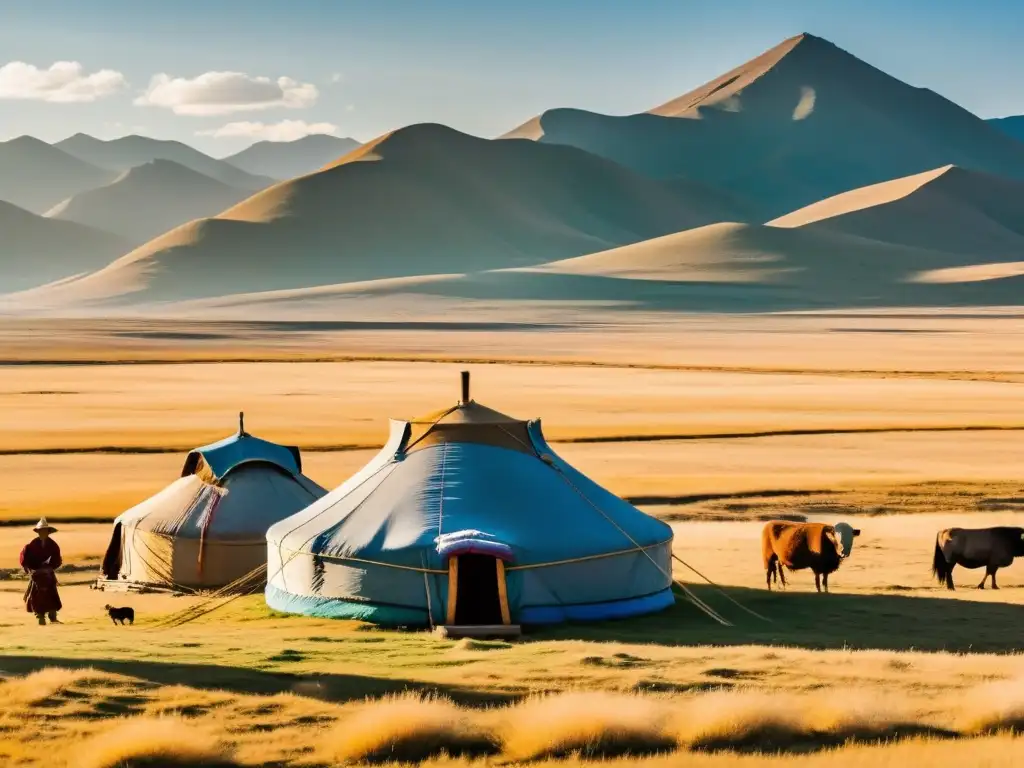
x=468 y=422
x=218 y=459
x=466 y=413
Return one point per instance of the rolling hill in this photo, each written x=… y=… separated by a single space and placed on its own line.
x=288 y=159
x=424 y=199
x=37 y=250
x=803 y=121
x=129 y=151
x=723 y=267
x=148 y=200
x=950 y=209
x=944 y=237
x=36 y=176
x=731 y=252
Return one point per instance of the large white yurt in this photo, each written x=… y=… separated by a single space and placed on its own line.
x=466 y=518
x=208 y=528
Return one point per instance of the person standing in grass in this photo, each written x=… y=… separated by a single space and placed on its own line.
x=41 y=558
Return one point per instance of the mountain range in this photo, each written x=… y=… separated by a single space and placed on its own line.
x=803 y=121
x=804 y=178
x=129 y=151
x=424 y=199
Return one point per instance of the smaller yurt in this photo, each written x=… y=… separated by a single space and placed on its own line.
x=208 y=528
x=468 y=519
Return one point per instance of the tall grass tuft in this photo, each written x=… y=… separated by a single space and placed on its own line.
x=152 y=742
x=993 y=708
x=590 y=725
x=37 y=687
x=756 y=721
x=408 y=729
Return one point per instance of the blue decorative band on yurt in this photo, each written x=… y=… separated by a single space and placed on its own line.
x=617 y=609
x=335 y=608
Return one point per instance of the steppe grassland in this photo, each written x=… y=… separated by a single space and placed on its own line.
x=270 y=688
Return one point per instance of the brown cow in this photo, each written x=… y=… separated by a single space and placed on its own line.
x=796 y=546
x=991 y=548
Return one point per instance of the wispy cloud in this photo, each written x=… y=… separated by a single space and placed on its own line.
x=337 y=77
x=222 y=93
x=285 y=130
x=64 y=82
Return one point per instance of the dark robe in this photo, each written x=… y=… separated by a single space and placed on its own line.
x=40 y=558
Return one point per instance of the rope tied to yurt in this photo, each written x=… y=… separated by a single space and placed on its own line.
x=426 y=587
x=704 y=607
x=549 y=461
x=433 y=424
x=721 y=591
x=240 y=587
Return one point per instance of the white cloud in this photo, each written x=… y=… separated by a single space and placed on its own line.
x=64 y=82
x=337 y=77
x=286 y=130
x=222 y=93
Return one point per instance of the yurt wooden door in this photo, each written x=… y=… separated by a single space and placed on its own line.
x=477 y=593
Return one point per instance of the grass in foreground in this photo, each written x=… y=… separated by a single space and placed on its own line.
x=93 y=720
x=162 y=742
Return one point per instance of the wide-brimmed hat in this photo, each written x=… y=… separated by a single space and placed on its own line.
x=42 y=525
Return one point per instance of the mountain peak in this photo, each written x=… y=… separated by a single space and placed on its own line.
x=25 y=142
x=804 y=54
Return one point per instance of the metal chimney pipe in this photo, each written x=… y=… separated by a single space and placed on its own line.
x=465 y=388
x=241 y=423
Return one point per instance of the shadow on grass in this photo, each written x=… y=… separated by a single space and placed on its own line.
x=818 y=621
x=775 y=738
x=242 y=680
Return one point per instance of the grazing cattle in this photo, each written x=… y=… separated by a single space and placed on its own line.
x=796 y=546
x=991 y=548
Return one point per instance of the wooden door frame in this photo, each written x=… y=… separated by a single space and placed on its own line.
x=453 y=590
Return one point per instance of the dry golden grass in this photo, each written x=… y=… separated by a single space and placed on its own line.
x=693 y=376
x=405 y=729
x=126 y=407
x=39 y=686
x=994 y=707
x=765 y=721
x=591 y=725
x=160 y=742
x=716 y=729
x=978 y=343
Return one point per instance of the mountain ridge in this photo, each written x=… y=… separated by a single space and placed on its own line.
x=423 y=198
x=148 y=200
x=129 y=151
x=36 y=176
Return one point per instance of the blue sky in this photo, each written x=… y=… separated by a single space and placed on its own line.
x=482 y=67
